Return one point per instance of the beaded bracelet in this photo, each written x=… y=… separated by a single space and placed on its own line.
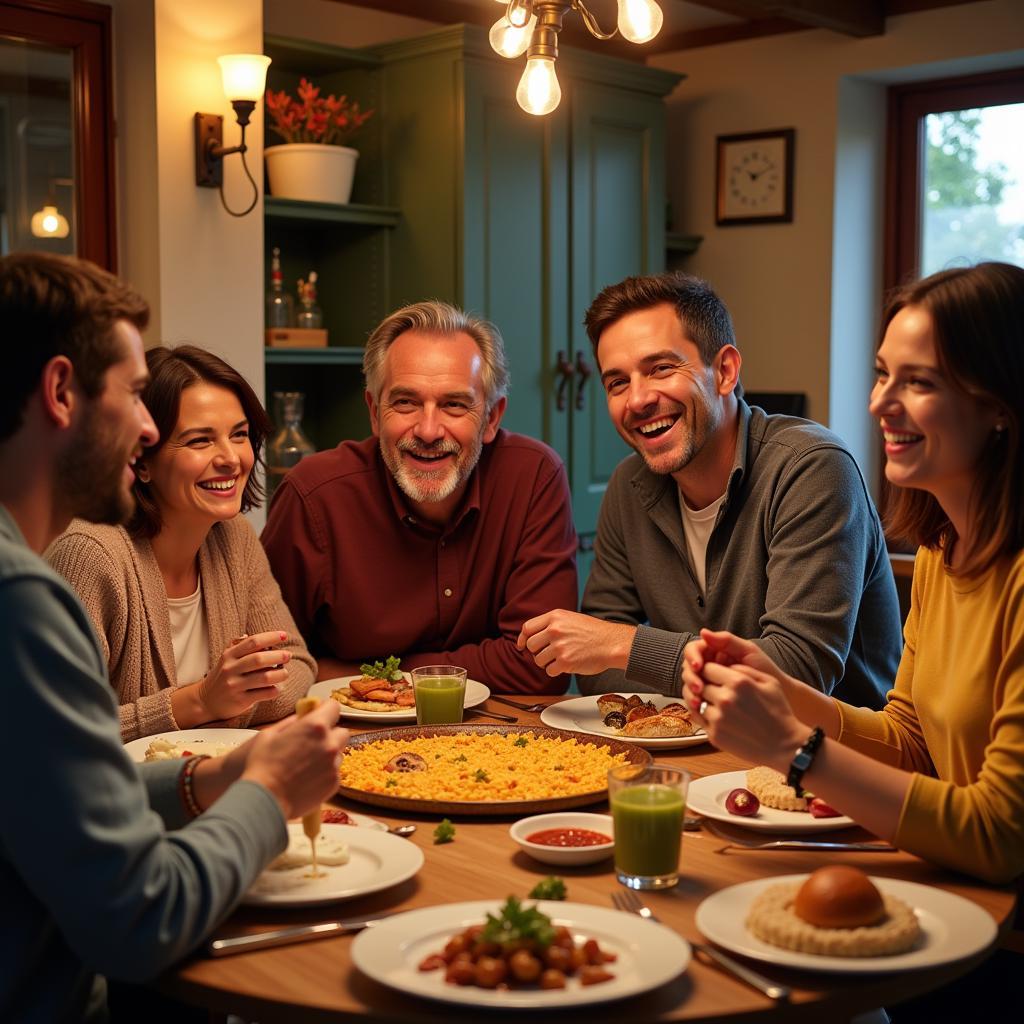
x=186 y=785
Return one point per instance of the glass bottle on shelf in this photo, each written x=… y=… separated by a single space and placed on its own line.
x=309 y=314
x=280 y=308
x=289 y=445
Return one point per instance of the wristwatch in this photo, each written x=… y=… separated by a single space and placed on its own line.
x=802 y=759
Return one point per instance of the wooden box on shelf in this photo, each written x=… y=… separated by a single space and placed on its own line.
x=296 y=337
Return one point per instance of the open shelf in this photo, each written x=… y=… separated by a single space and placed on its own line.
x=680 y=244
x=296 y=210
x=331 y=355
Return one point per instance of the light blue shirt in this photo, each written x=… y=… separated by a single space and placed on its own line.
x=91 y=880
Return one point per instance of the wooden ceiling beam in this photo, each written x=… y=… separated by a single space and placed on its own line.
x=715 y=35
x=851 y=17
x=445 y=12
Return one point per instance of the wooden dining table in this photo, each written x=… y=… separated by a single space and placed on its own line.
x=317 y=981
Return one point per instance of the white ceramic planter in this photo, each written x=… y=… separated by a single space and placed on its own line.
x=311 y=171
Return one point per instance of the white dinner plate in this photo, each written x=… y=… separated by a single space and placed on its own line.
x=476 y=693
x=199 y=741
x=707 y=796
x=377 y=860
x=581 y=714
x=953 y=928
x=649 y=954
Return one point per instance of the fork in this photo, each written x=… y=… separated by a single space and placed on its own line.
x=630 y=903
x=492 y=714
x=795 y=844
x=517 y=706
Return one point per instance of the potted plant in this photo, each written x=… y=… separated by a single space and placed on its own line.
x=314 y=164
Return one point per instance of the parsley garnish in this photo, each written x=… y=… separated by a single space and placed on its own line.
x=550 y=888
x=387 y=670
x=519 y=925
x=481 y=776
x=444 y=833
x=521 y=742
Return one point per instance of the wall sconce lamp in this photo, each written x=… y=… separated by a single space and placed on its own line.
x=532 y=27
x=244 y=76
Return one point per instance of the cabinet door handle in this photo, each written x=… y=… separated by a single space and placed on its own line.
x=565 y=372
x=585 y=370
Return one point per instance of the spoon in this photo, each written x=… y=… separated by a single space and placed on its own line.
x=402 y=830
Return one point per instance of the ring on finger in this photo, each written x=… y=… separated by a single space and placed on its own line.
x=703 y=707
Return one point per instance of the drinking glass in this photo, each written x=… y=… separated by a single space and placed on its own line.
x=647 y=803
x=440 y=694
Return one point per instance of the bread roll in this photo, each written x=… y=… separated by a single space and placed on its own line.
x=839 y=897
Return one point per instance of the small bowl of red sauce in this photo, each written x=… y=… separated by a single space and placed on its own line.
x=569 y=837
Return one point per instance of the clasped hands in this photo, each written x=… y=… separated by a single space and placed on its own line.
x=739 y=694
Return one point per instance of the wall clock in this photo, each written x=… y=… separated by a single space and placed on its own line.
x=754 y=176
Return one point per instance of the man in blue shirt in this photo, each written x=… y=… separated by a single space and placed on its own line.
x=91 y=879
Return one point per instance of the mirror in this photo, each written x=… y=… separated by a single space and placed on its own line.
x=56 y=129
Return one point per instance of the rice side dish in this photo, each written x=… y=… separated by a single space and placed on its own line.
x=480 y=766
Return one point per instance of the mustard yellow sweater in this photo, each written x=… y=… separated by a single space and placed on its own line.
x=120 y=585
x=955 y=718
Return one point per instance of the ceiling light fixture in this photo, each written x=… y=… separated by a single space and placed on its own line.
x=244 y=76
x=532 y=27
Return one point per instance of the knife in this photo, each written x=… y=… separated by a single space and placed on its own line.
x=766 y=986
x=286 y=936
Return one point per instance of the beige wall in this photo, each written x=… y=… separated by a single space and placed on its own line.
x=200 y=268
x=798 y=292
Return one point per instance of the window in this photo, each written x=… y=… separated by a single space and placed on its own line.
x=955 y=190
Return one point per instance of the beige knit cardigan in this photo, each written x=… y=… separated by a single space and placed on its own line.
x=119 y=582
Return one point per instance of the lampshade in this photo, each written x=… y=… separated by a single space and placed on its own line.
x=245 y=75
x=48 y=223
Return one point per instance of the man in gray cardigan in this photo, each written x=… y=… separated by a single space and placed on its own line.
x=105 y=866
x=725 y=517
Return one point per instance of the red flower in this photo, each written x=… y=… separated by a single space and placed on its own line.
x=331 y=120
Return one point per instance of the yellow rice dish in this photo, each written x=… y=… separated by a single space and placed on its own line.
x=481 y=766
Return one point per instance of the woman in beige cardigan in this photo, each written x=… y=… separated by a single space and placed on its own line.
x=190 y=617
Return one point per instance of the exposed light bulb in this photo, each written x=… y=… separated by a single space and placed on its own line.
x=539 y=91
x=639 y=20
x=510 y=40
x=521 y=11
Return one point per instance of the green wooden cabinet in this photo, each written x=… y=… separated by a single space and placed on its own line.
x=517 y=218
x=524 y=219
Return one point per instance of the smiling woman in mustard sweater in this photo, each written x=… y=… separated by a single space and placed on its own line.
x=940 y=770
x=190 y=618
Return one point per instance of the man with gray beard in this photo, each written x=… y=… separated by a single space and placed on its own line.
x=437 y=537
x=724 y=518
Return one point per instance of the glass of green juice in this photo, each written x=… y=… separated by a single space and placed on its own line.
x=647 y=803
x=440 y=692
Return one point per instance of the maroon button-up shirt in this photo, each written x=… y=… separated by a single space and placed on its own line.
x=365 y=578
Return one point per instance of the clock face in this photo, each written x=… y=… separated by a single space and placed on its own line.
x=755 y=177
x=752 y=179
